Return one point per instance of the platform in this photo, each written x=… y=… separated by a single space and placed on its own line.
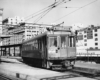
x=90 y=65
x=26 y=72
x=11 y=59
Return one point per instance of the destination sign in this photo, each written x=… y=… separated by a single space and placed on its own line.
x=61 y=29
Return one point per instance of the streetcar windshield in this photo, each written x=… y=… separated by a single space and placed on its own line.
x=71 y=41
x=53 y=41
x=63 y=41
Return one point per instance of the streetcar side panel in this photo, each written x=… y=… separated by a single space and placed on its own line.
x=35 y=48
x=30 y=51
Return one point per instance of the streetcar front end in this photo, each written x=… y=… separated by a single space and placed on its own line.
x=61 y=49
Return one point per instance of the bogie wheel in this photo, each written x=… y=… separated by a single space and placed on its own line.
x=44 y=64
x=72 y=66
x=24 y=59
x=48 y=65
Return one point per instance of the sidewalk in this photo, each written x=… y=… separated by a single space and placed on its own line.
x=87 y=65
x=11 y=59
x=26 y=72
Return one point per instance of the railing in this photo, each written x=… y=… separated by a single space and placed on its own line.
x=88 y=55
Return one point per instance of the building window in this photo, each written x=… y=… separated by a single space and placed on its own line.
x=96 y=47
x=88 y=28
x=85 y=44
x=91 y=47
x=80 y=33
x=95 y=34
x=33 y=31
x=96 y=39
x=84 y=35
x=95 y=30
x=84 y=31
x=96 y=43
x=85 y=40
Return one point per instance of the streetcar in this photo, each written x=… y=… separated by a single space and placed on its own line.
x=55 y=48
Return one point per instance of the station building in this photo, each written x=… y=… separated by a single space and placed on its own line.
x=21 y=31
x=88 y=41
x=13 y=21
x=1 y=14
x=9 y=24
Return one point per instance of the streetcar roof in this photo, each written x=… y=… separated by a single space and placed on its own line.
x=36 y=37
x=46 y=34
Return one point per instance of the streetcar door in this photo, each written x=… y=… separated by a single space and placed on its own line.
x=63 y=46
x=52 y=47
x=71 y=46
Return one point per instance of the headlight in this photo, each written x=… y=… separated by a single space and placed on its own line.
x=67 y=63
x=73 y=62
x=51 y=51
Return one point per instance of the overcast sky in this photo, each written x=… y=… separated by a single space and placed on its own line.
x=87 y=15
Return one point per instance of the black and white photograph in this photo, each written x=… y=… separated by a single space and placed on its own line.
x=49 y=40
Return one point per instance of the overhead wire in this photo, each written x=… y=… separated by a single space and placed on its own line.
x=34 y=16
x=75 y=10
x=40 y=11
x=42 y=16
x=46 y=10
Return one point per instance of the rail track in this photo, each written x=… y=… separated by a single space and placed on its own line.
x=75 y=73
x=60 y=77
x=79 y=71
x=91 y=73
x=2 y=77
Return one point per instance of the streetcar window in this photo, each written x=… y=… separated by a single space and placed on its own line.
x=53 y=41
x=36 y=44
x=39 y=44
x=71 y=41
x=63 y=41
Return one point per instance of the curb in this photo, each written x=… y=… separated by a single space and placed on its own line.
x=87 y=70
x=17 y=75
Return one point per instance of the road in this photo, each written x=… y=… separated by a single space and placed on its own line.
x=4 y=77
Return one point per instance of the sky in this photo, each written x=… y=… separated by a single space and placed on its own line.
x=86 y=15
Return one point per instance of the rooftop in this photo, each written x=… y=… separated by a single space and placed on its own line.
x=91 y=27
